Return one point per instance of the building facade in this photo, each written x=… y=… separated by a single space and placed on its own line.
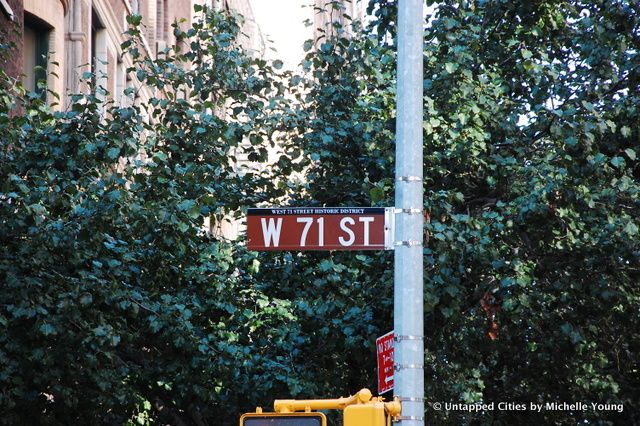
x=60 y=40
x=35 y=30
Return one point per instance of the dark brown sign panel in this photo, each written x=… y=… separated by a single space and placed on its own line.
x=320 y=228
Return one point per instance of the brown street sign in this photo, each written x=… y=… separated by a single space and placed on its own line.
x=320 y=228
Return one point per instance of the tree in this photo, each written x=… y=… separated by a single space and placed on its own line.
x=343 y=126
x=532 y=181
x=542 y=216
x=116 y=306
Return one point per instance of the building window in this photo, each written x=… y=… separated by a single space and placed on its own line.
x=162 y=21
x=34 y=55
x=99 y=58
x=119 y=83
x=122 y=83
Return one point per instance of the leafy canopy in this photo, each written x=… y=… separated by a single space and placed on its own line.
x=117 y=307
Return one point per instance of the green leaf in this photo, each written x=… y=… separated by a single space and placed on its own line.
x=86 y=299
x=326 y=265
x=617 y=161
x=113 y=153
x=630 y=153
x=631 y=229
x=529 y=65
x=377 y=194
x=160 y=156
x=134 y=20
x=625 y=131
x=186 y=205
x=446 y=312
x=47 y=329
x=37 y=209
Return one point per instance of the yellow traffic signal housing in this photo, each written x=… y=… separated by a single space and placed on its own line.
x=283 y=419
x=360 y=409
x=371 y=414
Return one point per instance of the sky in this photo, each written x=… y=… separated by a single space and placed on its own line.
x=282 y=22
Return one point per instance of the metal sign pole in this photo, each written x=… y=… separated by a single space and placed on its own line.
x=408 y=268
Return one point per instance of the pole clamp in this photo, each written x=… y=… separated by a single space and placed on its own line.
x=411 y=399
x=409 y=337
x=411 y=210
x=398 y=367
x=416 y=418
x=408 y=243
x=409 y=179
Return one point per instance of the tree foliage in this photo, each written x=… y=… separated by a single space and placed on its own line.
x=117 y=307
x=533 y=192
x=532 y=255
x=532 y=180
x=344 y=129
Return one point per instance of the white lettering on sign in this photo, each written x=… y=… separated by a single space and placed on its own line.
x=352 y=232
x=308 y=221
x=366 y=220
x=320 y=222
x=271 y=231
x=385 y=345
x=348 y=231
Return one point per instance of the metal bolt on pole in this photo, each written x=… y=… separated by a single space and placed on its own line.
x=408 y=266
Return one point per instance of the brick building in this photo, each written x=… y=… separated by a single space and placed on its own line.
x=70 y=37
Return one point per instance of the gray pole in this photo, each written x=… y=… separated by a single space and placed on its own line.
x=408 y=310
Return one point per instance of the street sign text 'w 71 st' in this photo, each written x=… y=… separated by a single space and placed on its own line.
x=320 y=228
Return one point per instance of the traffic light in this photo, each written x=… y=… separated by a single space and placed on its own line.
x=371 y=414
x=283 y=419
x=361 y=409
